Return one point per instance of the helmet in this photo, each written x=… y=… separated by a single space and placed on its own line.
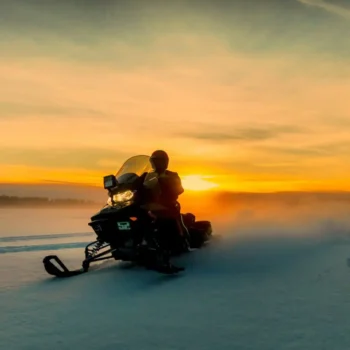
x=159 y=160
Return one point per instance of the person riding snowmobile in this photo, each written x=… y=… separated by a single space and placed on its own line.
x=165 y=185
x=163 y=188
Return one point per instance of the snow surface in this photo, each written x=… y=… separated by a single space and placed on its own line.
x=261 y=286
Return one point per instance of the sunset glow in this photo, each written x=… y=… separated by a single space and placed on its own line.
x=258 y=110
x=197 y=183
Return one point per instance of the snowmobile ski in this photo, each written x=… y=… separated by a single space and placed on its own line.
x=54 y=270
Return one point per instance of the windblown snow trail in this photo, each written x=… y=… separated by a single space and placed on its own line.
x=263 y=285
x=16 y=244
x=261 y=294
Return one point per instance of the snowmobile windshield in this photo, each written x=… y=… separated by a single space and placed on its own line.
x=133 y=168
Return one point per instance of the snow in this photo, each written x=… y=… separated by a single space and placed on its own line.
x=262 y=285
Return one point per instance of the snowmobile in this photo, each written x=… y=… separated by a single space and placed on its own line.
x=127 y=231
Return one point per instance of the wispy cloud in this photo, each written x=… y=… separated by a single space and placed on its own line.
x=26 y=110
x=247 y=134
x=73 y=158
x=334 y=7
x=312 y=151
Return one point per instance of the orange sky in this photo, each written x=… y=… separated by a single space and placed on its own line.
x=255 y=97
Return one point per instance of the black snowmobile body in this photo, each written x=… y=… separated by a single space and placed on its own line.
x=127 y=231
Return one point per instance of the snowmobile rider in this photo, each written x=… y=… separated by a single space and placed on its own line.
x=164 y=187
x=169 y=182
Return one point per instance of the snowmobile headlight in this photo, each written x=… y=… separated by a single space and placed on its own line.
x=123 y=196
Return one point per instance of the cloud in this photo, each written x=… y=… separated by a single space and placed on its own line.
x=26 y=110
x=334 y=8
x=313 y=150
x=103 y=31
x=247 y=134
x=74 y=158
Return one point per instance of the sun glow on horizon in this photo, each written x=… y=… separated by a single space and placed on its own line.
x=197 y=183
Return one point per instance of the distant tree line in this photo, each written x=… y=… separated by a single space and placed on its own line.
x=6 y=201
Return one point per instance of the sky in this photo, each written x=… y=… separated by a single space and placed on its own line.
x=250 y=95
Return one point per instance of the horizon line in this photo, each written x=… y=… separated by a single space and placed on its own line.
x=206 y=192
x=211 y=191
